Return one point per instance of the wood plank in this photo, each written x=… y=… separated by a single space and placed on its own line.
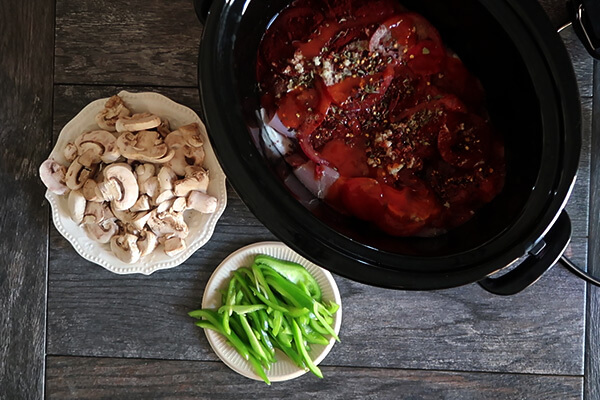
x=592 y=353
x=93 y=312
x=79 y=378
x=578 y=206
x=138 y=42
x=26 y=48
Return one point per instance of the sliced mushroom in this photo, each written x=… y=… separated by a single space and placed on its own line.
x=90 y=191
x=168 y=224
x=143 y=172
x=145 y=146
x=77 y=205
x=125 y=216
x=191 y=134
x=113 y=110
x=70 y=152
x=78 y=174
x=140 y=220
x=147 y=242
x=202 y=202
x=102 y=142
x=142 y=204
x=174 y=245
x=150 y=188
x=137 y=122
x=90 y=156
x=164 y=129
x=120 y=185
x=164 y=196
x=186 y=156
x=96 y=212
x=179 y=204
x=196 y=180
x=53 y=176
x=103 y=231
x=166 y=178
x=165 y=206
x=125 y=248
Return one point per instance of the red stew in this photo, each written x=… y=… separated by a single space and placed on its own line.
x=370 y=90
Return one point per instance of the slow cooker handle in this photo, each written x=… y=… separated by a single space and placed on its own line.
x=202 y=7
x=540 y=259
x=585 y=17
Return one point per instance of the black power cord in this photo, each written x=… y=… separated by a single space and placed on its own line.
x=578 y=271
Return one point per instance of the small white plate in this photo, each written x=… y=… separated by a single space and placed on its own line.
x=201 y=226
x=284 y=369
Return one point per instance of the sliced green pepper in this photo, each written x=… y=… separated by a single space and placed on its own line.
x=294 y=272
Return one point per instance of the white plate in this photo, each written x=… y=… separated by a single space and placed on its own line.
x=284 y=368
x=201 y=226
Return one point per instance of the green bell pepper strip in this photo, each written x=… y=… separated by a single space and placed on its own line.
x=312 y=336
x=254 y=344
x=276 y=322
x=212 y=318
x=289 y=291
x=290 y=352
x=259 y=370
x=261 y=283
x=244 y=287
x=241 y=309
x=327 y=327
x=268 y=302
x=294 y=272
x=229 y=301
x=300 y=347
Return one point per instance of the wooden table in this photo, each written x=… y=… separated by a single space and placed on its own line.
x=70 y=329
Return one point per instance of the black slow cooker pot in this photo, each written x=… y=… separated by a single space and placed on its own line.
x=532 y=97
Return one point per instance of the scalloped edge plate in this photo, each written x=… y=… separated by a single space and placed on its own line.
x=284 y=369
x=201 y=226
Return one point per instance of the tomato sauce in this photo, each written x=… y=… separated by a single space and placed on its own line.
x=369 y=89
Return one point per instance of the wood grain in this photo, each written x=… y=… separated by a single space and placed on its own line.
x=26 y=48
x=138 y=42
x=79 y=378
x=592 y=359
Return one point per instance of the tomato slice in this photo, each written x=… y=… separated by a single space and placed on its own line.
x=456 y=79
x=408 y=210
x=426 y=57
x=465 y=141
x=349 y=159
x=361 y=93
x=363 y=198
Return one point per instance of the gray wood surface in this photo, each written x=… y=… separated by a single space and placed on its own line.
x=78 y=377
x=26 y=50
x=592 y=361
x=110 y=336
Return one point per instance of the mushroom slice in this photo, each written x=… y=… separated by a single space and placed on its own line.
x=165 y=206
x=179 y=204
x=103 y=231
x=89 y=191
x=186 y=156
x=174 y=245
x=53 y=176
x=76 y=204
x=164 y=196
x=202 y=202
x=96 y=212
x=166 y=178
x=77 y=174
x=137 y=122
x=140 y=220
x=147 y=242
x=119 y=176
x=143 y=172
x=191 y=133
x=124 y=216
x=146 y=146
x=168 y=224
x=103 y=142
x=150 y=188
x=142 y=204
x=114 y=108
x=175 y=140
x=125 y=248
x=164 y=129
x=70 y=152
x=90 y=155
x=195 y=180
